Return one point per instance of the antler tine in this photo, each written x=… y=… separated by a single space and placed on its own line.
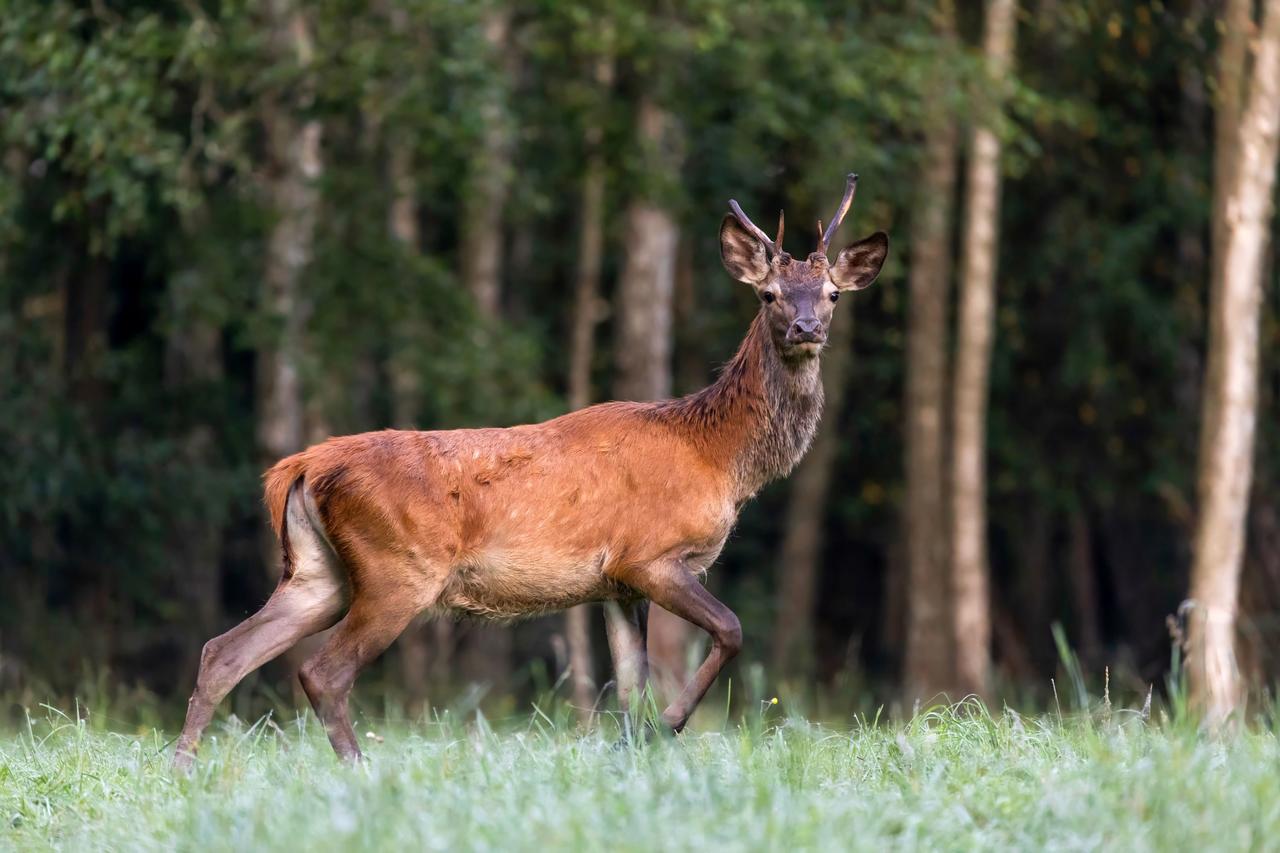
x=782 y=226
x=850 y=187
x=751 y=226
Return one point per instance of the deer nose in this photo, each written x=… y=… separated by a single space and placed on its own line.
x=807 y=328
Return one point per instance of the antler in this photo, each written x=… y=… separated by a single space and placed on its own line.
x=774 y=246
x=850 y=187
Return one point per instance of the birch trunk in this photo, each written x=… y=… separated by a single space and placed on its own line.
x=928 y=663
x=1231 y=386
x=976 y=326
x=1232 y=55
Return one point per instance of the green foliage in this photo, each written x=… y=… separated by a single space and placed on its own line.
x=134 y=210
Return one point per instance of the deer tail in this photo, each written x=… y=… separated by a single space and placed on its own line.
x=277 y=483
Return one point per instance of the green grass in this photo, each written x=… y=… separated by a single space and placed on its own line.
x=950 y=779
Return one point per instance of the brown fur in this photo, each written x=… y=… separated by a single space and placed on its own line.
x=513 y=522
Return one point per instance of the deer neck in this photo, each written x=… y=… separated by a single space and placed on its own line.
x=759 y=416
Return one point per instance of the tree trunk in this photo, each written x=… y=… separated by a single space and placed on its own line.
x=402 y=222
x=1232 y=56
x=800 y=554
x=1231 y=386
x=586 y=314
x=928 y=664
x=976 y=327
x=644 y=340
x=489 y=184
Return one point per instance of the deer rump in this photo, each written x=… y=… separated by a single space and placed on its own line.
x=504 y=523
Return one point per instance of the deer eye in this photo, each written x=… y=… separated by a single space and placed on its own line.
x=768 y=297
x=835 y=296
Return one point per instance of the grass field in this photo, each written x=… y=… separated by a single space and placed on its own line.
x=950 y=779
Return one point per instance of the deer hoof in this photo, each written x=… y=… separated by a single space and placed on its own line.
x=183 y=762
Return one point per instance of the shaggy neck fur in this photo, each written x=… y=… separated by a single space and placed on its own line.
x=759 y=416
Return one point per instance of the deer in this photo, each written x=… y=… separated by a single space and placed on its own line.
x=624 y=503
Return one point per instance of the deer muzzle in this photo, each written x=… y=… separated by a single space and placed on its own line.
x=806 y=330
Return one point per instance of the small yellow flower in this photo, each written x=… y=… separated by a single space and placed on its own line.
x=773 y=701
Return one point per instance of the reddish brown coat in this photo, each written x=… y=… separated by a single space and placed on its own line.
x=621 y=502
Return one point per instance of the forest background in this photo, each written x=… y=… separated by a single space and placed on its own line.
x=231 y=229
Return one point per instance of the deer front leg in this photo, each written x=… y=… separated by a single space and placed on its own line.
x=673 y=586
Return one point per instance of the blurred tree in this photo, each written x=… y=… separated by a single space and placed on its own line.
x=928 y=665
x=1231 y=371
x=970 y=573
x=1233 y=54
x=483 y=243
x=143 y=204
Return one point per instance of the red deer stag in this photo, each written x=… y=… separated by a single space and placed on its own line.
x=624 y=503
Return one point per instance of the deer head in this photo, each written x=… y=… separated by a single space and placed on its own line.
x=798 y=297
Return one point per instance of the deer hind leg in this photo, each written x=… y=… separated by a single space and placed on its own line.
x=310 y=598
x=674 y=587
x=364 y=633
x=626 y=624
x=387 y=594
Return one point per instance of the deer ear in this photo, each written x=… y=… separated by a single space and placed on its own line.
x=858 y=265
x=741 y=252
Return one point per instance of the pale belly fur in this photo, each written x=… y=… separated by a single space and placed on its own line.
x=511 y=583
